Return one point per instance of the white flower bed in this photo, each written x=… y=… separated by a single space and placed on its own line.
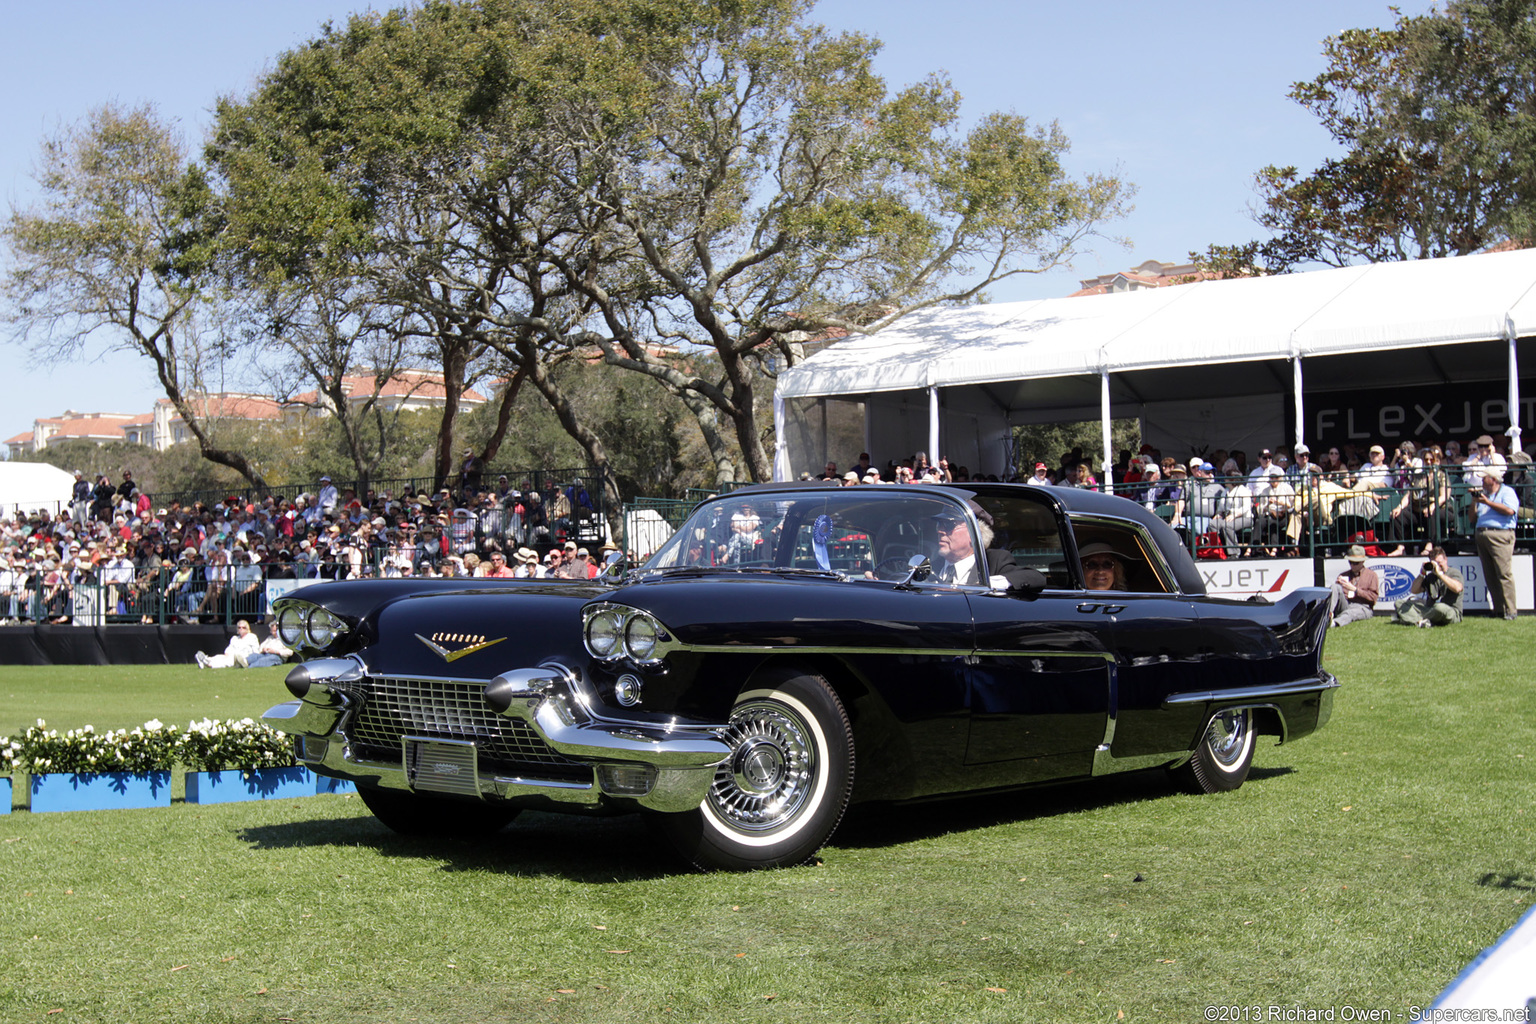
x=207 y=745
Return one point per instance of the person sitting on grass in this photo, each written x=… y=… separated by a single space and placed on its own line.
x=1435 y=597
x=273 y=651
x=241 y=646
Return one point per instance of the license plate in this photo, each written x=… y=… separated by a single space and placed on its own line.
x=442 y=766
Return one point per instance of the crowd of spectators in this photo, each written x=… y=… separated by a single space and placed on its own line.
x=1393 y=500
x=211 y=562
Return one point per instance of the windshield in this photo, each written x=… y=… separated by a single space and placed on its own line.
x=853 y=530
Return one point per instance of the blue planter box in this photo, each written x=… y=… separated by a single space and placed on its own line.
x=248 y=784
x=5 y=795
x=104 y=791
x=325 y=784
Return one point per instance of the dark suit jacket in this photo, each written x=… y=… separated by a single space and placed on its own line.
x=999 y=563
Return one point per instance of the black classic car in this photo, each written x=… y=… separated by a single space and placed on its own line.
x=794 y=648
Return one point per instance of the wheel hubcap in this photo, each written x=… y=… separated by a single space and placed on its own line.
x=758 y=767
x=1227 y=736
x=765 y=781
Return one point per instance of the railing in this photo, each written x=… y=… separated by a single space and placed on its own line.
x=163 y=596
x=544 y=481
x=1329 y=512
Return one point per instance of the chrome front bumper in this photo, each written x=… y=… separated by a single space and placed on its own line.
x=665 y=766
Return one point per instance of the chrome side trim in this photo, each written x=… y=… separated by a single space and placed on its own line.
x=1106 y=763
x=1250 y=693
x=933 y=652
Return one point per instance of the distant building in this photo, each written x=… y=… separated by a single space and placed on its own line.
x=408 y=390
x=99 y=427
x=167 y=428
x=1151 y=274
x=164 y=427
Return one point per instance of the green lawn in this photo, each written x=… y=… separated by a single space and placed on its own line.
x=1361 y=867
x=68 y=696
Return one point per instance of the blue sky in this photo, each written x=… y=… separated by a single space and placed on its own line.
x=1185 y=100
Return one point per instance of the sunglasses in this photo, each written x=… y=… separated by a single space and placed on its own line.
x=1097 y=564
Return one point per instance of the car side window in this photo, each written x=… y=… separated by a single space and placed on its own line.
x=1031 y=532
x=1105 y=543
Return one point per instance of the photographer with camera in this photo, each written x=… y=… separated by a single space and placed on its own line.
x=1435 y=597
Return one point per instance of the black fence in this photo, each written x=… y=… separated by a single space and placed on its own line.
x=1322 y=516
x=546 y=482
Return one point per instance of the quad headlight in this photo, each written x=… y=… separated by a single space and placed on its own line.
x=301 y=624
x=614 y=631
x=322 y=627
x=640 y=637
x=605 y=633
x=290 y=625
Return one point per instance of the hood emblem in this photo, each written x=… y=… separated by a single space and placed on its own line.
x=475 y=643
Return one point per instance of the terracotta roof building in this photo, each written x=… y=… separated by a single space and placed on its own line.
x=1151 y=274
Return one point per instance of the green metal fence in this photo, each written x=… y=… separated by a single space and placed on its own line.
x=1329 y=512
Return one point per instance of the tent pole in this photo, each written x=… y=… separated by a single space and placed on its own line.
x=781 y=467
x=1514 y=388
x=933 y=425
x=1109 y=455
x=1301 y=416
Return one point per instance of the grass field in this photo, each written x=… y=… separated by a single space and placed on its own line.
x=1362 y=867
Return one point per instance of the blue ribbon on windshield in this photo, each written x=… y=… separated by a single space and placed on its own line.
x=820 y=531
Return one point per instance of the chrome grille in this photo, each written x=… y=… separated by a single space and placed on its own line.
x=453 y=710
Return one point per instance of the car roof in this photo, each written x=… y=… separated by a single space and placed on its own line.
x=1070 y=500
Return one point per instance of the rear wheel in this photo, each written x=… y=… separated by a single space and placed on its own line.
x=413 y=814
x=1221 y=761
x=784 y=788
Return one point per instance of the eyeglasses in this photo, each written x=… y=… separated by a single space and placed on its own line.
x=1100 y=565
x=947 y=525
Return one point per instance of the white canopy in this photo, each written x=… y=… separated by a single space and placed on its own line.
x=1021 y=354
x=30 y=485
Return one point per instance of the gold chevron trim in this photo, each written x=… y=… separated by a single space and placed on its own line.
x=476 y=643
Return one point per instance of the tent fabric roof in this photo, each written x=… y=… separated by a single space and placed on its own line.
x=33 y=485
x=1325 y=312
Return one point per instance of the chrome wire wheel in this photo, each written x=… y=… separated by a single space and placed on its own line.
x=771 y=772
x=1228 y=738
x=1220 y=761
x=782 y=791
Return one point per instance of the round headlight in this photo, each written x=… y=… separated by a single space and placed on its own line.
x=640 y=637
x=290 y=626
x=604 y=634
x=322 y=627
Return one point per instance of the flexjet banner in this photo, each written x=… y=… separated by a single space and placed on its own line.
x=1436 y=412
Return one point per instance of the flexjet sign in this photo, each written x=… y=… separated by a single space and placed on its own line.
x=1429 y=413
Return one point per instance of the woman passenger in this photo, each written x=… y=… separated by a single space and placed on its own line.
x=1103 y=567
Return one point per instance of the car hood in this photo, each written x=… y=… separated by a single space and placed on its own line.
x=786 y=611
x=460 y=629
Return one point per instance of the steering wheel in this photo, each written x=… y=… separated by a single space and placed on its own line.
x=893 y=568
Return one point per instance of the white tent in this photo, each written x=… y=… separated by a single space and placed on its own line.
x=31 y=485
x=955 y=379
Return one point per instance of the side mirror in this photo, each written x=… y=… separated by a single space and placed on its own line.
x=918 y=569
x=613 y=566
